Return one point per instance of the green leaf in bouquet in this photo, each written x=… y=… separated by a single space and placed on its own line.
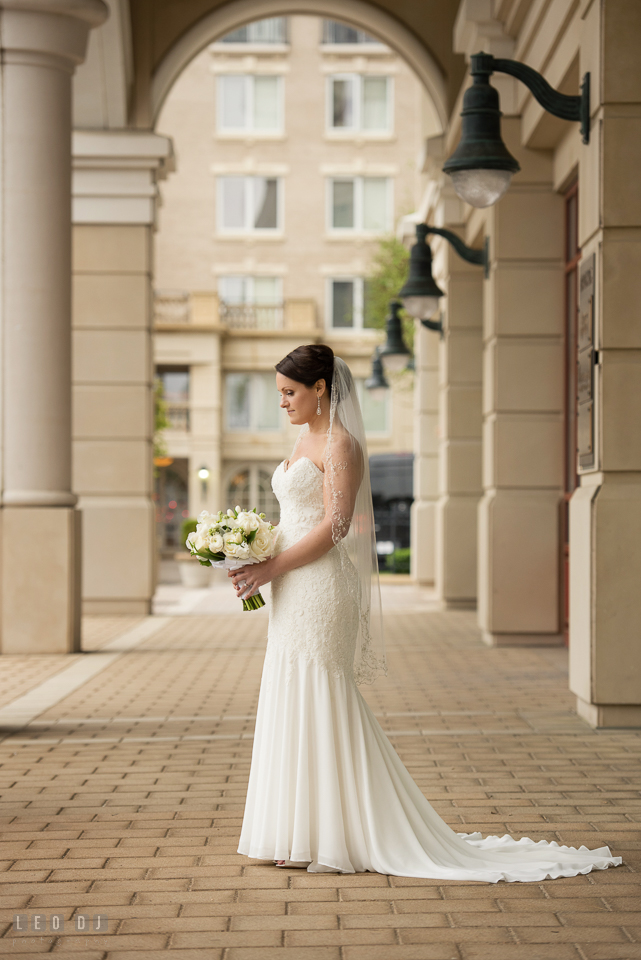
x=251 y=536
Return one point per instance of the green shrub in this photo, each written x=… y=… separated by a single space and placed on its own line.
x=187 y=526
x=399 y=561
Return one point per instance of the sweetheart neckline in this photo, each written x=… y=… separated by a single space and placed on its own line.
x=286 y=469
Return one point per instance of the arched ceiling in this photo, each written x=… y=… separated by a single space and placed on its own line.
x=164 y=32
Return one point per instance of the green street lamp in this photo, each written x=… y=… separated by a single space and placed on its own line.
x=376 y=382
x=420 y=293
x=394 y=352
x=482 y=167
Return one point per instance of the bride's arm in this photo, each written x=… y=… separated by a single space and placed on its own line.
x=342 y=479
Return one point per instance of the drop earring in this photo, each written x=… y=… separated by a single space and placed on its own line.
x=318 y=409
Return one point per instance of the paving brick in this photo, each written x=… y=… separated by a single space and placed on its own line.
x=423 y=951
x=281 y=953
x=239 y=938
x=520 y=951
x=310 y=938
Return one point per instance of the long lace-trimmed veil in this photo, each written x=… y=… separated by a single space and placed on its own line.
x=347 y=471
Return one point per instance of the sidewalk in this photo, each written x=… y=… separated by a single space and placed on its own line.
x=124 y=797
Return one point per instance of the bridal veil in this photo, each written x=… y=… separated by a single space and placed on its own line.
x=349 y=490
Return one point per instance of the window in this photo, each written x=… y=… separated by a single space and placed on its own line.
x=175 y=394
x=251 y=302
x=247 y=204
x=249 y=103
x=335 y=32
x=358 y=103
x=260 y=290
x=270 y=30
x=252 y=402
x=348 y=304
x=360 y=204
x=375 y=412
x=251 y=487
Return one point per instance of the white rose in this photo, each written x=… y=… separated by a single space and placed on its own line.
x=200 y=542
x=248 y=522
x=235 y=538
x=261 y=547
x=216 y=543
x=237 y=551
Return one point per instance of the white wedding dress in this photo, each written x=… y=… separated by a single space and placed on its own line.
x=326 y=785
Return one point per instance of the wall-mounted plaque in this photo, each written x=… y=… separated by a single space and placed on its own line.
x=585 y=365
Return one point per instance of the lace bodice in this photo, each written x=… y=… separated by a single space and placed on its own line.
x=313 y=612
x=299 y=491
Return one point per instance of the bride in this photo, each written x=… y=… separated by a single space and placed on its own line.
x=326 y=789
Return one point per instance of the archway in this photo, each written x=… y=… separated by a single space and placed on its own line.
x=358 y=13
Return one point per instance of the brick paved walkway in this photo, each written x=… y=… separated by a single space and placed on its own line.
x=125 y=800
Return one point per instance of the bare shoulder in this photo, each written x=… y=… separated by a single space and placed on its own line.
x=342 y=450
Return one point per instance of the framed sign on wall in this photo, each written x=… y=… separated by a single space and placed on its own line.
x=585 y=365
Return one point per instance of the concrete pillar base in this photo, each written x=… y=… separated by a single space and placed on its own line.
x=40 y=580
x=458 y=604
x=603 y=715
x=422 y=539
x=523 y=639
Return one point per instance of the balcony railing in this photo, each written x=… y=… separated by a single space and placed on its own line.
x=204 y=309
x=177 y=412
x=251 y=316
x=172 y=307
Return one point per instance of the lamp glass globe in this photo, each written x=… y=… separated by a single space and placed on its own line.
x=394 y=362
x=421 y=308
x=377 y=394
x=481 y=188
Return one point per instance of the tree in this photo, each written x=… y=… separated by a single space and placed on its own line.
x=389 y=267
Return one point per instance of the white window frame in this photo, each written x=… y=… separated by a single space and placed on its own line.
x=358 y=304
x=250 y=280
x=358 y=229
x=357 y=79
x=249 y=206
x=388 y=400
x=248 y=128
x=254 y=405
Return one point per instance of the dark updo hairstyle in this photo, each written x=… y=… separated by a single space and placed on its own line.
x=309 y=363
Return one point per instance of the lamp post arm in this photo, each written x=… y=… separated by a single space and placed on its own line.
x=480 y=257
x=559 y=104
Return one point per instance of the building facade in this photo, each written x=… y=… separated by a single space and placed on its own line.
x=297 y=138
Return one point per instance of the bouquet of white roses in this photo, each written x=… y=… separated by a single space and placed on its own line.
x=232 y=540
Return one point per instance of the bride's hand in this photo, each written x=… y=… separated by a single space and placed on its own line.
x=252 y=577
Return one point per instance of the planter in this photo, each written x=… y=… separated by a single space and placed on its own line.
x=192 y=574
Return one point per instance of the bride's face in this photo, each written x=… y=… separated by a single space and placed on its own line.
x=300 y=402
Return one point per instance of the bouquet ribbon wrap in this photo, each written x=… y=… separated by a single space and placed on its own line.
x=232 y=540
x=251 y=601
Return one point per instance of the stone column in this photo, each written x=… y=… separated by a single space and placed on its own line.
x=519 y=514
x=605 y=511
x=114 y=206
x=459 y=434
x=423 y=517
x=41 y=44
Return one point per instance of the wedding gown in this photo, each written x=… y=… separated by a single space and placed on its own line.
x=326 y=785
